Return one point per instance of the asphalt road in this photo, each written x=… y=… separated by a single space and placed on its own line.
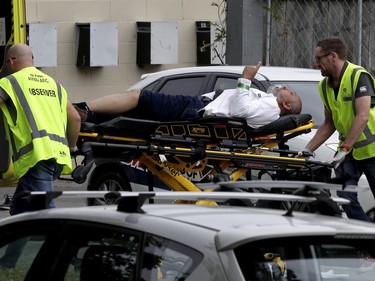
x=59 y=202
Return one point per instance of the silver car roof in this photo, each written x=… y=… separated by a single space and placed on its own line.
x=230 y=225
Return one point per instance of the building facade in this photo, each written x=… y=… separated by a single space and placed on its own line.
x=65 y=17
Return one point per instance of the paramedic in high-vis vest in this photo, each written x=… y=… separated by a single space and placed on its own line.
x=347 y=92
x=42 y=124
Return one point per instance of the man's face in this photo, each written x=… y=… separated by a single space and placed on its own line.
x=288 y=101
x=285 y=93
x=322 y=61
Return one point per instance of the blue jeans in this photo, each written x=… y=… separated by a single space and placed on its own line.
x=351 y=170
x=38 y=178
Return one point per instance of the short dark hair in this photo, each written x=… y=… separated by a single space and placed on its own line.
x=334 y=44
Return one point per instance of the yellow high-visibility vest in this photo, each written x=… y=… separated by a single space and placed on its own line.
x=34 y=133
x=343 y=110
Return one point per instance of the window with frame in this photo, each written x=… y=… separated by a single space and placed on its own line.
x=186 y=86
x=307 y=259
x=91 y=251
x=20 y=245
x=18 y=255
x=65 y=250
x=164 y=259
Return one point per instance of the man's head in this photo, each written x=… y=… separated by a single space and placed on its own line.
x=19 y=56
x=330 y=54
x=288 y=101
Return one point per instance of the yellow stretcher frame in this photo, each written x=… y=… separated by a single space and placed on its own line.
x=154 y=157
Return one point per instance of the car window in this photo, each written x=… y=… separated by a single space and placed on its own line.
x=68 y=251
x=20 y=245
x=113 y=256
x=305 y=258
x=224 y=83
x=18 y=255
x=167 y=260
x=186 y=86
x=80 y=251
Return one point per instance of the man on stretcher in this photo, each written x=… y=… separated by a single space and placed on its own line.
x=257 y=107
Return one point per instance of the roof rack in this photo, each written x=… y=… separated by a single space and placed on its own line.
x=301 y=192
x=272 y=184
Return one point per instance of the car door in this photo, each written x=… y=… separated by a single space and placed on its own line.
x=58 y=249
x=69 y=250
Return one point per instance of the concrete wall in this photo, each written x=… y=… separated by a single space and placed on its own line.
x=89 y=83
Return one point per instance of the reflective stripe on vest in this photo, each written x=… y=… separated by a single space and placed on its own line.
x=35 y=133
x=370 y=138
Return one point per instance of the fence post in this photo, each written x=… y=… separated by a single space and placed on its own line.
x=359 y=33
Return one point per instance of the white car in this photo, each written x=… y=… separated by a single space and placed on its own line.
x=195 y=81
x=133 y=241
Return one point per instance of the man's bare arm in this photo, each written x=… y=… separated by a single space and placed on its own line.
x=73 y=124
x=362 y=108
x=324 y=131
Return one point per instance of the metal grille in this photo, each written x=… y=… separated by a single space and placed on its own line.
x=295 y=26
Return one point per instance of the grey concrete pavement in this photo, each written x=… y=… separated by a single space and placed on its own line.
x=59 y=202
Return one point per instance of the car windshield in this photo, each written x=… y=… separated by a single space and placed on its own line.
x=306 y=258
x=311 y=102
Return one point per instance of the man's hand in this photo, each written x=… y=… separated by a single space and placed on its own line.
x=74 y=151
x=305 y=153
x=250 y=71
x=338 y=158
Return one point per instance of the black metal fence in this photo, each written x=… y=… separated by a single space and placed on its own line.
x=295 y=26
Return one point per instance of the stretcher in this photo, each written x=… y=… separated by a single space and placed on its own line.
x=224 y=148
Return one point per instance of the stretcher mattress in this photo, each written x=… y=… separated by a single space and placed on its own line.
x=205 y=128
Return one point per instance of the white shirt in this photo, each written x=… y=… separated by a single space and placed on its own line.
x=257 y=107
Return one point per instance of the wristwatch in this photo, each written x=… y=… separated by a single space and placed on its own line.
x=345 y=146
